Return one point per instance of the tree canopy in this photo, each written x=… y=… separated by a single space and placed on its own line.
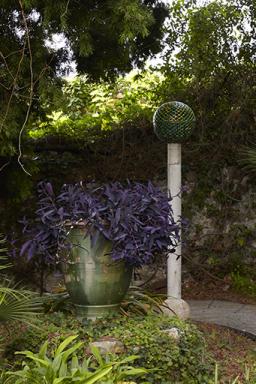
x=103 y=37
x=208 y=62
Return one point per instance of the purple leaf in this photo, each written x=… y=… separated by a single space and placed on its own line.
x=136 y=218
x=49 y=189
x=25 y=247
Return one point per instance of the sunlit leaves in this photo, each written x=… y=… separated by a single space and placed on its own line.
x=85 y=106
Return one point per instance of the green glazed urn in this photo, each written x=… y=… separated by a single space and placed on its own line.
x=96 y=284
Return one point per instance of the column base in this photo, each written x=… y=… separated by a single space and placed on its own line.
x=176 y=307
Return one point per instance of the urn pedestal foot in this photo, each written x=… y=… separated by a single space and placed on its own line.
x=93 y=312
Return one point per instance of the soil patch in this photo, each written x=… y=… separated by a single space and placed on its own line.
x=233 y=353
x=206 y=288
x=214 y=289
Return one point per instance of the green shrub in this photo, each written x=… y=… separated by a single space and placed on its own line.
x=65 y=367
x=182 y=362
x=177 y=362
x=88 y=110
x=32 y=338
x=243 y=283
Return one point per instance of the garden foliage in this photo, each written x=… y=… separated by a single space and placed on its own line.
x=16 y=303
x=208 y=63
x=31 y=62
x=136 y=218
x=65 y=367
x=145 y=336
x=88 y=111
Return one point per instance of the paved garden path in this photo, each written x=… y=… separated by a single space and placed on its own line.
x=241 y=317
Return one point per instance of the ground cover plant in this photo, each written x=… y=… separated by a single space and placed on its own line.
x=215 y=356
x=145 y=336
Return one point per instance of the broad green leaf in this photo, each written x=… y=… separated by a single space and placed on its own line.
x=96 y=354
x=63 y=369
x=65 y=343
x=133 y=372
x=33 y=357
x=65 y=354
x=98 y=375
x=43 y=350
x=74 y=362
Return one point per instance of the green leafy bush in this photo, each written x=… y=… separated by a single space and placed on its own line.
x=32 y=338
x=88 y=110
x=65 y=367
x=243 y=283
x=183 y=361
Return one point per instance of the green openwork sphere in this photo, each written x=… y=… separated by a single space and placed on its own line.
x=173 y=122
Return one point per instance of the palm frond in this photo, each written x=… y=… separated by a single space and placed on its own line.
x=3 y=250
x=142 y=302
x=15 y=303
x=248 y=158
x=21 y=308
x=4 y=266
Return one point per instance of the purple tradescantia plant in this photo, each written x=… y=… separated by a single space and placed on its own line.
x=136 y=218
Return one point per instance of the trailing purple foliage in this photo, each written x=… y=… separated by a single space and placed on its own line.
x=136 y=218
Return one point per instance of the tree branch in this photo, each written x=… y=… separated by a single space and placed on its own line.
x=31 y=88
